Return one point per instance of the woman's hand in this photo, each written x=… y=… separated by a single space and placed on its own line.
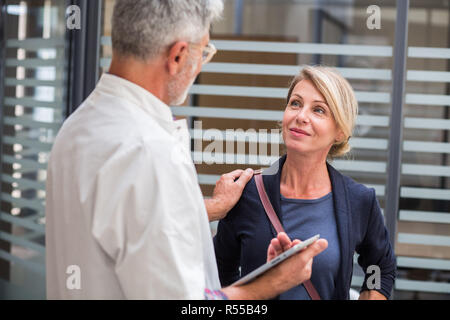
x=280 y=244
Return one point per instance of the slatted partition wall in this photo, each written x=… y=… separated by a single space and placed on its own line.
x=32 y=110
x=423 y=244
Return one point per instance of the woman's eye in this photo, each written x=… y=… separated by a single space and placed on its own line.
x=294 y=103
x=319 y=110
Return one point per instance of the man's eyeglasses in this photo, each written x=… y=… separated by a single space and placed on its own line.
x=208 y=52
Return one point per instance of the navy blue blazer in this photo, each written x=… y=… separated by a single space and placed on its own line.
x=245 y=233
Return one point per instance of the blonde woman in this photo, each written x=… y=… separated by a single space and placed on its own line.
x=310 y=197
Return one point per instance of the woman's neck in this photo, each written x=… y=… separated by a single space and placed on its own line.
x=304 y=177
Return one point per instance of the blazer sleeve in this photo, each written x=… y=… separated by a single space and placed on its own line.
x=228 y=250
x=376 y=256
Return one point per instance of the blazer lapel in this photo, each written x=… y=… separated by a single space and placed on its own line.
x=342 y=214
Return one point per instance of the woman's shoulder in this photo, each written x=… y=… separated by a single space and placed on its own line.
x=361 y=199
x=356 y=190
x=250 y=189
x=248 y=198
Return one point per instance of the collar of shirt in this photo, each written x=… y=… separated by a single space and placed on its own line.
x=119 y=87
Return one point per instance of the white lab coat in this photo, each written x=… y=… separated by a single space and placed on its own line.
x=123 y=203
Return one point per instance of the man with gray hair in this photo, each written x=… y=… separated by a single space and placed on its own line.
x=125 y=215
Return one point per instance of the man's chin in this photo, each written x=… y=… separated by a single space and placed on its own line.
x=179 y=101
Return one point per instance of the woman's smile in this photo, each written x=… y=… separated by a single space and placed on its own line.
x=296 y=132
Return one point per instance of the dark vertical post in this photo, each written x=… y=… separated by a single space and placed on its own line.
x=84 y=53
x=396 y=120
x=444 y=206
x=238 y=16
x=317 y=32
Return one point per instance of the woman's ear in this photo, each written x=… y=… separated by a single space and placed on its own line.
x=176 y=57
x=339 y=137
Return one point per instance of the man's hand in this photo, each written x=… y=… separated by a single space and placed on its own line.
x=371 y=295
x=227 y=193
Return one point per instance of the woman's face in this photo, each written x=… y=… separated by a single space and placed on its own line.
x=308 y=124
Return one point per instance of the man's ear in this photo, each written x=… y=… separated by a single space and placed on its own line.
x=176 y=58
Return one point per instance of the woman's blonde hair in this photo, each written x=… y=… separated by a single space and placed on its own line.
x=339 y=97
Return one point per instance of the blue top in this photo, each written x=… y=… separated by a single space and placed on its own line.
x=245 y=233
x=303 y=219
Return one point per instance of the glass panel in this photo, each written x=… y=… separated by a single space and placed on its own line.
x=423 y=243
x=33 y=109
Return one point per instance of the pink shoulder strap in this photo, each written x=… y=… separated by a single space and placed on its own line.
x=267 y=205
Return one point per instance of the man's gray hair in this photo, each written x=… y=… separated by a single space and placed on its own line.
x=144 y=28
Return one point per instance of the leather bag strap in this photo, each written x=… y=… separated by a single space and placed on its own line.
x=267 y=205
x=279 y=228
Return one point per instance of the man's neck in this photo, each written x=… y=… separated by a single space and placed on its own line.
x=148 y=75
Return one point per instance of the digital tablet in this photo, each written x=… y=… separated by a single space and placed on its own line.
x=257 y=272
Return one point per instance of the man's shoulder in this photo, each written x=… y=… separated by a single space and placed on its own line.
x=108 y=120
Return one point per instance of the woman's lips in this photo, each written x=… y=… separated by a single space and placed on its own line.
x=298 y=132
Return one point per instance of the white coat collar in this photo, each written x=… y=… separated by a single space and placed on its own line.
x=137 y=95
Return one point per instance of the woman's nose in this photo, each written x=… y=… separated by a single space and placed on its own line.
x=302 y=115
